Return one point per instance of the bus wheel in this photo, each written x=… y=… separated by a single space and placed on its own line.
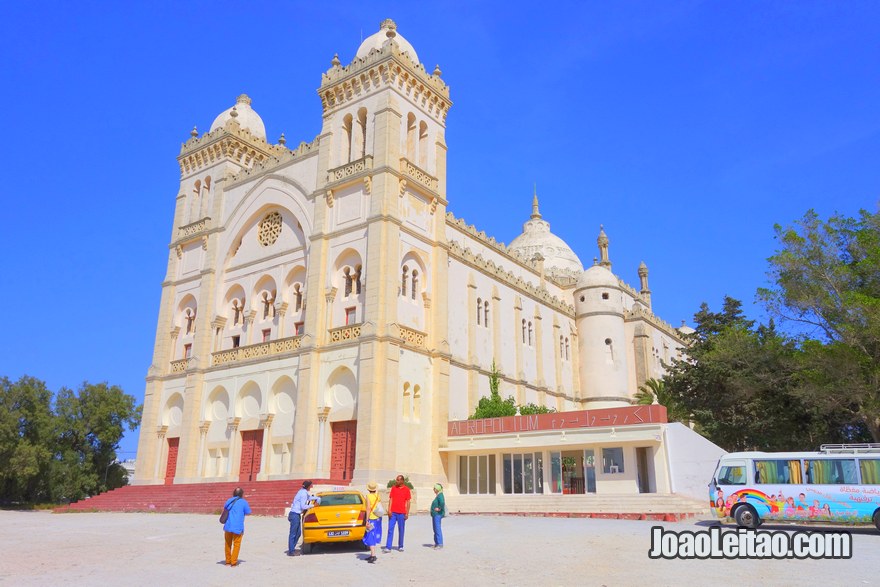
x=877 y=519
x=746 y=517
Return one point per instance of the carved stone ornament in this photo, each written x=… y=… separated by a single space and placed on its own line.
x=205 y=243
x=434 y=203
x=269 y=229
x=179 y=250
x=402 y=187
x=329 y=198
x=368 y=184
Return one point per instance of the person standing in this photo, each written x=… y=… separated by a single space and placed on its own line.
x=373 y=536
x=233 y=528
x=398 y=513
x=302 y=501
x=438 y=511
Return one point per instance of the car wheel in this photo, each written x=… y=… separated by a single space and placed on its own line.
x=746 y=517
x=877 y=519
x=307 y=547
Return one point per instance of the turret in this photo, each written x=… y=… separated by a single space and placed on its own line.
x=643 y=280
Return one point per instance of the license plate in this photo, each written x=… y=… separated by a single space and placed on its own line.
x=338 y=533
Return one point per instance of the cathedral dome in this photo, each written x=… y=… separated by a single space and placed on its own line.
x=245 y=115
x=387 y=30
x=537 y=238
x=597 y=276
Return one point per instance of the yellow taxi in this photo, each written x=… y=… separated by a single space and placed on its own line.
x=340 y=517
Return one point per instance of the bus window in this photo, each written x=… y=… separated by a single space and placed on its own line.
x=732 y=474
x=778 y=472
x=870 y=469
x=832 y=471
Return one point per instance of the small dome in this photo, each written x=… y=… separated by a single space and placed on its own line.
x=536 y=238
x=597 y=276
x=245 y=115
x=387 y=30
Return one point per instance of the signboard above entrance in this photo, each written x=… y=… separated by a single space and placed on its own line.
x=628 y=416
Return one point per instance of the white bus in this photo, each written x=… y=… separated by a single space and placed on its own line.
x=839 y=484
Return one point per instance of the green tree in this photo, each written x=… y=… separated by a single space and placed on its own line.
x=532 y=408
x=27 y=439
x=826 y=280
x=494 y=406
x=92 y=422
x=740 y=384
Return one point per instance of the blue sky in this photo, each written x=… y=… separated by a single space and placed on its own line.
x=686 y=128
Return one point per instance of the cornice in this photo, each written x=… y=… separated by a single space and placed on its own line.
x=645 y=315
x=383 y=68
x=489 y=267
x=517 y=382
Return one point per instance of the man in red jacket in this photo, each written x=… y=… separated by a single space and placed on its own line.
x=398 y=512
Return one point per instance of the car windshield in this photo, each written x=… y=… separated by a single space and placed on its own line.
x=341 y=499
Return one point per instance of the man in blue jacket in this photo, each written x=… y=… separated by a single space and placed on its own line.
x=301 y=502
x=233 y=529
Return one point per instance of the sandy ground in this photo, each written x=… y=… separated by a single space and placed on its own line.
x=38 y=548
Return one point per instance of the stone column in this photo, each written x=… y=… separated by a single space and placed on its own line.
x=232 y=427
x=249 y=326
x=320 y=467
x=280 y=312
x=266 y=427
x=160 y=448
x=203 y=433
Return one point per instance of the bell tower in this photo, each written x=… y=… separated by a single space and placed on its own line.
x=381 y=187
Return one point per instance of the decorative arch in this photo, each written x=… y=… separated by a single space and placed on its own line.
x=248 y=403
x=172 y=413
x=341 y=395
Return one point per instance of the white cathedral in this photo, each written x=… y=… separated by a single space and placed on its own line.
x=323 y=315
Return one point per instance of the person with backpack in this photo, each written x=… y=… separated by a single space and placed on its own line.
x=438 y=512
x=234 y=510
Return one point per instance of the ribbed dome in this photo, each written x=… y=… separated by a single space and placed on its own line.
x=245 y=115
x=387 y=30
x=537 y=238
x=597 y=276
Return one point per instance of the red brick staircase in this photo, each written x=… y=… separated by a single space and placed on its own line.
x=266 y=498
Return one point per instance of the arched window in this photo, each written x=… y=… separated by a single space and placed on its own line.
x=524 y=331
x=360 y=140
x=423 y=145
x=189 y=318
x=561 y=346
x=406 y=401
x=403 y=280
x=486 y=313
x=237 y=311
x=347 y=128
x=411 y=136
x=357 y=280
x=297 y=297
x=530 y=334
x=348 y=281
x=479 y=311
x=415 y=282
x=268 y=306
x=417 y=401
x=567 y=349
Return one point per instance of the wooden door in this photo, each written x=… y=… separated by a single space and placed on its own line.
x=251 y=454
x=171 y=462
x=343 y=449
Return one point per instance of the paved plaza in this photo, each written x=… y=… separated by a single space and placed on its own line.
x=185 y=549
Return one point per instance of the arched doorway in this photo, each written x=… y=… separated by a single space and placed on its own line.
x=342 y=399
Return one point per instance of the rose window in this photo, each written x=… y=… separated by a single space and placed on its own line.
x=270 y=229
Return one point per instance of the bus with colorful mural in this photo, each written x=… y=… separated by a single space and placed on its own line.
x=839 y=484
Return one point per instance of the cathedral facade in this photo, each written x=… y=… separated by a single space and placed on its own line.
x=324 y=316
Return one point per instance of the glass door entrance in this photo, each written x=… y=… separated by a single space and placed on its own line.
x=573 y=471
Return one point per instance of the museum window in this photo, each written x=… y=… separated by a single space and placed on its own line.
x=348 y=281
x=404 y=279
x=236 y=341
x=479 y=311
x=267 y=334
x=360 y=147
x=612 y=460
x=187 y=351
x=423 y=145
x=237 y=312
x=561 y=347
x=476 y=475
x=567 y=349
x=268 y=307
x=524 y=331
x=530 y=334
x=486 y=313
x=406 y=402
x=523 y=473
x=357 y=280
x=299 y=328
x=417 y=403
x=349 y=316
x=411 y=137
x=415 y=282
x=604 y=295
x=347 y=127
